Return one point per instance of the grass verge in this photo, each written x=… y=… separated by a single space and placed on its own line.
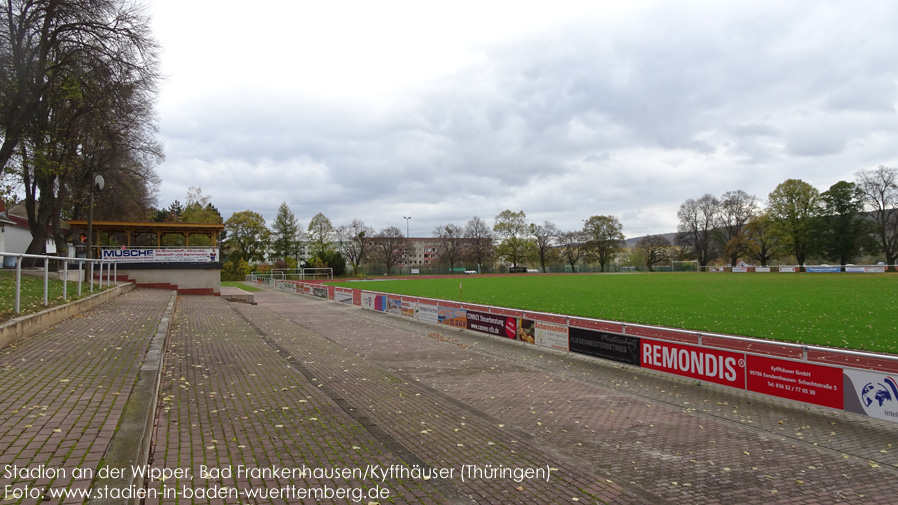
x=241 y=285
x=32 y=295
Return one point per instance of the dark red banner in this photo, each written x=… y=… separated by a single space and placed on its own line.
x=804 y=382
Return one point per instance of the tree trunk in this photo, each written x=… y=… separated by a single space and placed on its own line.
x=41 y=221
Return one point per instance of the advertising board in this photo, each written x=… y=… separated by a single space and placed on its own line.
x=428 y=312
x=554 y=335
x=871 y=394
x=865 y=270
x=343 y=295
x=600 y=344
x=493 y=324
x=823 y=270
x=372 y=301
x=804 y=382
x=199 y=255
x=409 y=308
x=394 y=306
x=453 y=317
x=711 y=365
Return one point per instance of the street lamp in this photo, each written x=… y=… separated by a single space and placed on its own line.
x=97 y=183
x=407 y=262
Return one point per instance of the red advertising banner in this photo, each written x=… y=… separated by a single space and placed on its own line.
x=711 y=365
x=804 y=382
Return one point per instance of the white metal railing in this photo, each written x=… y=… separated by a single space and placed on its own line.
x=284 y=274
x=110 y=266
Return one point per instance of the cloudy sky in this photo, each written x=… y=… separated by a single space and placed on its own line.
x=446 y=110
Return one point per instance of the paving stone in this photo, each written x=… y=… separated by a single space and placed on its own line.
x=63 y=390
x=666 y=437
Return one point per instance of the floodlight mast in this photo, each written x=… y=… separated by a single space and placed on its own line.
x=407 y=263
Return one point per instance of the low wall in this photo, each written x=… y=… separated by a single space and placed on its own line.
x=185 y=278
x=834 y=378
x=21 y=327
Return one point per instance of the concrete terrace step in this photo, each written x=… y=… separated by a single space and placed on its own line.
x=233 y=294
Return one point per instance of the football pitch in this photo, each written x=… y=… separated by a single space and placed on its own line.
x=854 y=311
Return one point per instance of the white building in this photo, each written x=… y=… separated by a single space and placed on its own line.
x=15 y=234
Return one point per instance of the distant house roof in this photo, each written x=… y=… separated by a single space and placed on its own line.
x=18 y=215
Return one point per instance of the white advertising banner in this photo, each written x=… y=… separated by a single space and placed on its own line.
x=870 y=393
x=865 y=270
x=552 y=335
x=429 y=313
x=343 y=295
x=161 y=255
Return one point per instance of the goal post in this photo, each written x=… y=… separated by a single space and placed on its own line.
x=684 y=266
x=317 y=273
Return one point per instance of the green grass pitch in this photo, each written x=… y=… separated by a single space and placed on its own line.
x=855 y=311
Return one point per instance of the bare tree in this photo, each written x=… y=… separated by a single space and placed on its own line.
x=480 y=242
x=390 y=245
x=696 y=228
x=735 y=210
x=355 y=242
x=545 y=235
x=451 y=245
x=573 y=247
x=880 y=194
x=655 y=249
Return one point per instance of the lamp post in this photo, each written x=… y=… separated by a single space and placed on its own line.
x=407 y=244
x=96 y=181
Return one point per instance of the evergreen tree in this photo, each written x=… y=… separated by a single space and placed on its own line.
x=284 y=233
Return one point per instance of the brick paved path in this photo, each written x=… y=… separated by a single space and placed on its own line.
x=62 y=392
x=237 y=392
x=297 y=383
x=663 y=438
x=228 y=399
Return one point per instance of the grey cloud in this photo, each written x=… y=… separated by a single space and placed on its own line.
x=868 y=95
x=630 y=119
x=755 y=130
